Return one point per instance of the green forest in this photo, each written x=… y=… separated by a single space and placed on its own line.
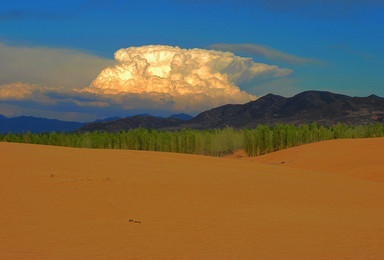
x=217 y=142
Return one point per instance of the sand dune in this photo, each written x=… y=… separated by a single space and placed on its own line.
x=359 y=158
x=64 y=203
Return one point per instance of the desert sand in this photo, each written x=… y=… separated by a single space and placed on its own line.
x=66 y=203
x=358 y=158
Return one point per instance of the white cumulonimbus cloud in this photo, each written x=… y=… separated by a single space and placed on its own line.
x=156 y=79
x=178 y=79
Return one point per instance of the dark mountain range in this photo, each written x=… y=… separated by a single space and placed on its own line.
x=181 y=116
x=108 y=119
x=149 y=122
x=324 y=108
x=24 y=124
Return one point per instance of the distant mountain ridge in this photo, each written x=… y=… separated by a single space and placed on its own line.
x=321 y=107
x=108 y=119
x=181 y=116
x=23 y=124
x=149 y=122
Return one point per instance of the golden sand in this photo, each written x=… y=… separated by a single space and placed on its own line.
x=66 y=203
x=358 y=158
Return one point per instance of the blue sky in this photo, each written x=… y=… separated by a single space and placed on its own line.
x=328 y=45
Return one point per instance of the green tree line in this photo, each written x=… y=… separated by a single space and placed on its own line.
x=263 y=139
x=216 y=142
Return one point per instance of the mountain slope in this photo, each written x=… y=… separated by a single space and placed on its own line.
x=324 y=108
x=24 y=124
x=321 y=107
x=149 y=122
x=181 y=116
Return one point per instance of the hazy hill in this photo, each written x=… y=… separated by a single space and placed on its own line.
x=108 y=119
x=149 y=122
x=181 y=116
x=24 y=124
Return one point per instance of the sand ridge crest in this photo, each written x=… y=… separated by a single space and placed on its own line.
x=358 y=158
